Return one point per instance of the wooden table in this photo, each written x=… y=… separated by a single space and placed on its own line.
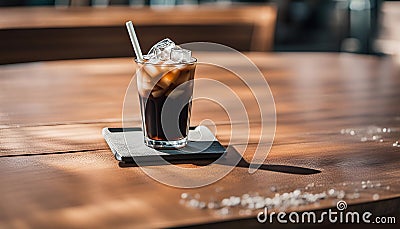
x=57 y=171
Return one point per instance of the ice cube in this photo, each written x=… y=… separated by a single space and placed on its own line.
x=152 y=70
x=147 y=83
x=167 y=62
x=162 y=54
x=186 y=55
x=144 y=82
x=154 y=60
x=168 y=78
x=155 y=67
x=162 y=48
x=180 y=55
x=176 y=54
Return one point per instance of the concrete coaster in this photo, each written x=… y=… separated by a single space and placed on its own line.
x=202 y=144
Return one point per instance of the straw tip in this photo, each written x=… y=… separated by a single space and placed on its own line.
x=128 y=23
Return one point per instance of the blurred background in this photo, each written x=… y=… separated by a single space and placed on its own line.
x=356 y=26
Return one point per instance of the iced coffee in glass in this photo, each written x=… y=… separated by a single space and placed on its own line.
x=165 y=85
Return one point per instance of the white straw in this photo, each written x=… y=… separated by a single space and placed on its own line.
x=134 y=40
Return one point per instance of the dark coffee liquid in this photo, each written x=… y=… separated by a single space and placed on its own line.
x=166 y=109
x=169 y=126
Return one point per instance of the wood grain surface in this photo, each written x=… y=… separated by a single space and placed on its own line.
x=57 y=171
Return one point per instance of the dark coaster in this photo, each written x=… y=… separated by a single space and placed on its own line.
x=202 y=144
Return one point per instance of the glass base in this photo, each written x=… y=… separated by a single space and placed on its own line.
x=159 y=144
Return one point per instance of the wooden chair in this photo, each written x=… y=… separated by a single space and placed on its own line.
x=44 y=33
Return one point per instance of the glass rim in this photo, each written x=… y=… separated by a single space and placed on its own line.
x=194 y=60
